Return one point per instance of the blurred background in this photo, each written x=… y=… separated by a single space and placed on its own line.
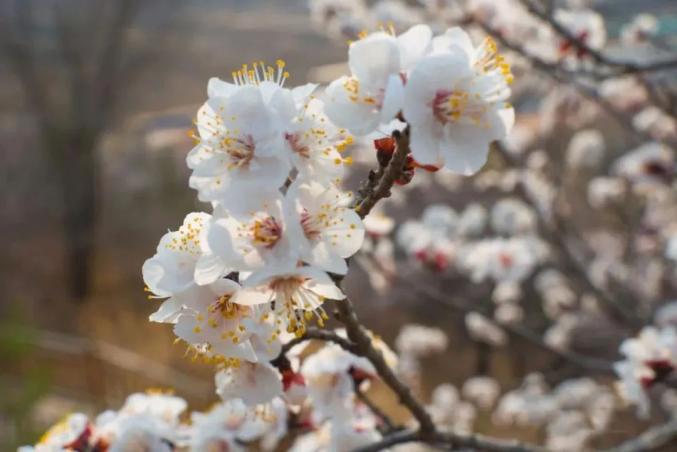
x=96 y=101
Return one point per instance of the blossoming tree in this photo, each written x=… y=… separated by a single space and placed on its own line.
x=252 y=285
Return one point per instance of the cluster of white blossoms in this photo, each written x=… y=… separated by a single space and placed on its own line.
x=239 y=280
x=451 y=93
x=650 y=358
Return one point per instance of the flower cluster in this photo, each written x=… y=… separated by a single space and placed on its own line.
x=239 y=280
x=452 y=94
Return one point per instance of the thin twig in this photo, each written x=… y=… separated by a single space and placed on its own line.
x=378 y=412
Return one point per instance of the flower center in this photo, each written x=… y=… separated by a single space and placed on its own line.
x=296 y=304
x=457 y=106
x=311 y=225
x=240 y=150
x=186 y=239
x=489 y=60
x=352 y=86
x=223 y=306
x=259 y=72
x=297 y=144
x=266 y=232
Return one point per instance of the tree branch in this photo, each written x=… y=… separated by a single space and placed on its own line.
x=651 y=439
x=359 y=336
x=383 y=180
x=453 y=440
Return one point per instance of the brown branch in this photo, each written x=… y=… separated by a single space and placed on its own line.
x=357 y=334
x=619 y=67
x=653 y=438
x=453 y=440
x=378 y=412
x=383 y=180
x=581 y=361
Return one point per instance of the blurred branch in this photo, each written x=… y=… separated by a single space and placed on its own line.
x=388 y=423
x=118 y=357
x=452 y=440
x=581 y=361
x=651 y=439
x=621 y=67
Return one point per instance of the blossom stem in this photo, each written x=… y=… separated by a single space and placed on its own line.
x=383 y=180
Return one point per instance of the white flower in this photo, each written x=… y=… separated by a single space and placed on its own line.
x=294 y=295
x=604 y=191
x=420 y=340
x=329 y=378
x=143 y=432
x=313 y=143
x=73 y=432
x=225 y=329
x=321 y=225
x=482 y=390
x=165 y=407
x=372 y=95
x=253 y=383
x=650 y=357
x=585 y=25
x=249 y=236
x=640 y=29
x=170 y=271
x=455 y=103
x=510 y=216
x=586 y=149
x=484 y=330
x=501 y=259
x=240 y=143
x=377 y=223
x=650 y=164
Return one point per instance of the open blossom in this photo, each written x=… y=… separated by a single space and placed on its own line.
x=323 y=227
x=330 y=375
x=253 y=383
x=648 y=165
x=501 y=259
x=455 y=101
x=314 y=143
x=228 y=425
x=585 y=25
x=372 y=94
x=73 y=432
x=294 y=295
x=248 y=236
x=170 y=271
x=221 y=329
x=649 y=358
x=239 y=139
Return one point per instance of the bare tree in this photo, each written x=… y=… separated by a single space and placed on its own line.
x=74 y=59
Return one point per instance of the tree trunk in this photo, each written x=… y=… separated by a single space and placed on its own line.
x=78 y=174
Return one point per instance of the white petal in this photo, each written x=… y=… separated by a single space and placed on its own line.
x=373 y=59
x=413 y=44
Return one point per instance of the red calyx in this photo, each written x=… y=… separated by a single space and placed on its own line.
x=661 y=368
x=289 y=378
x=359 y=375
